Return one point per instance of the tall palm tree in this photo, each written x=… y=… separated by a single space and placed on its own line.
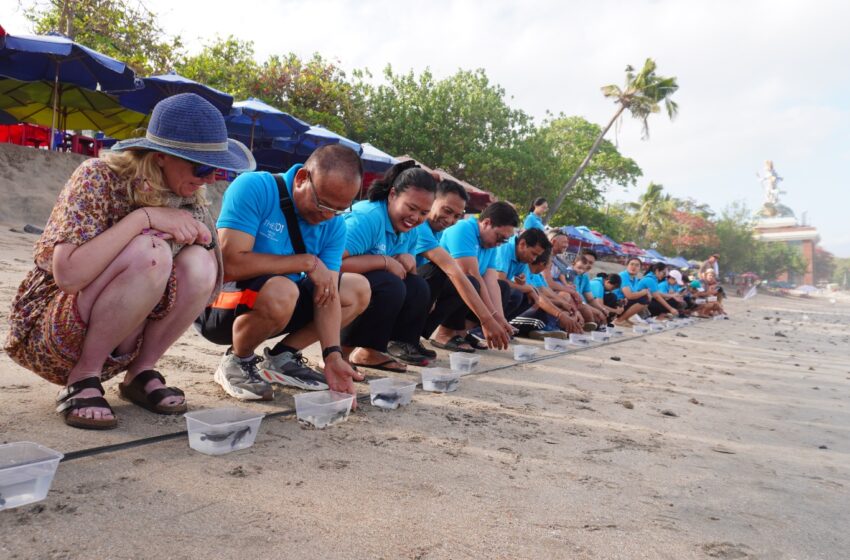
x=651 y=210
x=642 y=95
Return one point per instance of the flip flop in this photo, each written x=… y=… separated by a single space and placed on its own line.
x=453 y=344
x=383 y=366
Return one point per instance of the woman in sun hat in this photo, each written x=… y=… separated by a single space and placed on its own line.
x=127 y=260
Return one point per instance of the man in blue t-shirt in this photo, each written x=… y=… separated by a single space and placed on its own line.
x=452 y=291
x=272 y=289
x=512 y=260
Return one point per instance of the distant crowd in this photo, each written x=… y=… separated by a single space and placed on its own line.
x=131 y=258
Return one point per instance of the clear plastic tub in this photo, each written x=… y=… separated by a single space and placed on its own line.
x=641 y=329
x=579 y=339
x=523 y=352
x=711 y=299
x=323 y=408
x=699 y=300
x=555 y=344
x=440 y=380
x=26 y=473
x=600 y=336
x=217 y=431
x=389 y=393
x=616 y=331
x=657 y=327
x=464 y=362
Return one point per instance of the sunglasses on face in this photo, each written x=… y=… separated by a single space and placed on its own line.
x=319 y=205
x=202 y=171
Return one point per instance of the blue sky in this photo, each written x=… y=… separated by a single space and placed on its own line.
x=758 y=80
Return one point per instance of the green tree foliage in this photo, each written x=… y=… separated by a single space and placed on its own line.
x=642 y=95
x=824 y=265
x=225 y=64
x=841 y=276
x=123 y=29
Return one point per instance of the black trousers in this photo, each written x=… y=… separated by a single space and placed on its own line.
x=397 y=311
x=447 y=307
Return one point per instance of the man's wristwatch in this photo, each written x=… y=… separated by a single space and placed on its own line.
x=330 y=350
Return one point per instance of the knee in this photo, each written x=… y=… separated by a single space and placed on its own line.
x=196 y=271
x=277 y=298
x=148 y=256
x=387 y=289
x=354 y=290
x=416 y=287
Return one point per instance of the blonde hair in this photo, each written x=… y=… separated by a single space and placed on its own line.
x=147 y=181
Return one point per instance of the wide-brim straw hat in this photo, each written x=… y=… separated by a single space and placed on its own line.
x=190 y=127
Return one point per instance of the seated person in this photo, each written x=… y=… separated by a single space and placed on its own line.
x=604 y=289
x=273 y=289
x=512 y=260
x=658 y=304
x=472 y=243
x=549 y=315
x=380 y=243
x=453 y=293
x=564 y=292
x=700 y=293
x=672 y=290
x=636 y=298
x=593 y=311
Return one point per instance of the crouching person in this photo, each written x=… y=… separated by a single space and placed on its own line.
x=282 y=238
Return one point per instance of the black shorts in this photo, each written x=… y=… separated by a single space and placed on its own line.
x=656 y=308
x=644 y=300
x=216 y=322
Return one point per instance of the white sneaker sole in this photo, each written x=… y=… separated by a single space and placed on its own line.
x=234 y=392
x=272 y=376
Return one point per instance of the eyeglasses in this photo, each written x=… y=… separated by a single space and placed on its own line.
x=319 y=205
x=202 y=171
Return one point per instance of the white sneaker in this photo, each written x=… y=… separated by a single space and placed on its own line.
x=241 y=379
x=291 y=369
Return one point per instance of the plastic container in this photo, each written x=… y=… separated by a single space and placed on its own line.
x=218 y=431
x=26 y=473
x=523 y=352
x=464 y=362
x=641 y=329
x=389 y=393
x=555 y=344
x=711 y=299
x=699 y=300
x=657 y=327
x=323 y=408
x=440 y=380
x=600 y=336
x=616 y=331
x=579 y=339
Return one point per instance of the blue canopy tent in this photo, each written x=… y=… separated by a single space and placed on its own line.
x=306 y=142
x=159 y=87
x=680 y=262
x=597 y=244
x=57 y=59
x=374 y=160
x=252 y=119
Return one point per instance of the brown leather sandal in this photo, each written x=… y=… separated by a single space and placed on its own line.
x=135 y=393
x=69 y=402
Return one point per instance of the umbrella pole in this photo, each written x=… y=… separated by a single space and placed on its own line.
x=253 y=123
x=55 y=106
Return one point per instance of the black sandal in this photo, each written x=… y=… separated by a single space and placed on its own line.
x=135 y=393
x=69 y=402
x=454 y=345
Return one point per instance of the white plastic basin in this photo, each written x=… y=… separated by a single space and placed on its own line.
x=323 y=408
x=217 y=431
x=389 y=393
x=26 y=473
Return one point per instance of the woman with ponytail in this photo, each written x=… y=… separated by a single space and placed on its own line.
x=380 y=243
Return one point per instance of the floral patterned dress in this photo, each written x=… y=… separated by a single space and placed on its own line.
x=46 y=332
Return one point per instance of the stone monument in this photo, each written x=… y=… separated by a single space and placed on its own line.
x=776 y=223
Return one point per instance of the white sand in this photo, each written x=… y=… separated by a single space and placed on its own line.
x=569 y=457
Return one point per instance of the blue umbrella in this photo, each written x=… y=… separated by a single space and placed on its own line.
x=158 y=88
x=58 y=59
x=305 y=143
x=374 y=160
x=253 y=118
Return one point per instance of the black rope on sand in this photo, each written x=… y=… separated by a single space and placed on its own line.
x=92 y=451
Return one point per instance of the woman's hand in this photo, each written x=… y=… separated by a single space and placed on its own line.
x=179 y=224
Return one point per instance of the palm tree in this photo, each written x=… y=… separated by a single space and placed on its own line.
x=651 y=210
x=642 y=95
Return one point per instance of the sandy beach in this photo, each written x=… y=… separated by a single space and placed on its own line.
x=725 y=439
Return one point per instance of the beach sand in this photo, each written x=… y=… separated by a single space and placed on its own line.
x=725 y=439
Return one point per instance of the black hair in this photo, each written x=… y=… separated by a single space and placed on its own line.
x=633 y=259
x=335 y=158
x=447 y=186
x=535 y=203
x=544 y=256
x=400 y=177
x=686 y=279
x=657 y=267
x=583 y=258
x=602 y=275
x=614 y=279
x=590 y=253
x=535 y=238
x=500 y=214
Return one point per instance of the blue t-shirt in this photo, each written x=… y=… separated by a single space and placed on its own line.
x=649 y=282
x=251 y=204
x=533 y=221
x=370 y=231
x=597 y=288
x=582 y=283
x=464 y=240
x=427 y=239
x=632 y=283
x=536 y=280
x=507 y=261
x=665 y=288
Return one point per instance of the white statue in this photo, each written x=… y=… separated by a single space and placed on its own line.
x=770 y=180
